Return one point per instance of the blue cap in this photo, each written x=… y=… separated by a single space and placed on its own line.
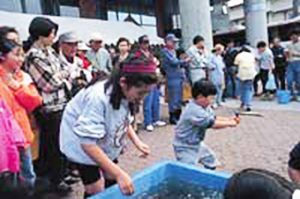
x=171 y=37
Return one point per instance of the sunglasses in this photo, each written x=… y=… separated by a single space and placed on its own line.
x=145 y=41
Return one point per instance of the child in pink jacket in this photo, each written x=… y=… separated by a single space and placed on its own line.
x=11 y=138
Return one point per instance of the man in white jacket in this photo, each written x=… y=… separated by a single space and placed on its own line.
x=199 y=61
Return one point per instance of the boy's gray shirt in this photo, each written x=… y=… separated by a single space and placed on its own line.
x=191 y=128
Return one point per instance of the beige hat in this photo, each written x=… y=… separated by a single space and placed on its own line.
x=96 y=37
x=83 y=46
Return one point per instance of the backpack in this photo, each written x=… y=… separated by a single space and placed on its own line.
x=230 y=57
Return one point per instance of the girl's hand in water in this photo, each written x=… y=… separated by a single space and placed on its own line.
x=125 y=183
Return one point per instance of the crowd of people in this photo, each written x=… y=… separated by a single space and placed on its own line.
x=79 y=101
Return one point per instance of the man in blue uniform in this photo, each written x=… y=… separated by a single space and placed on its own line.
x=174 y=74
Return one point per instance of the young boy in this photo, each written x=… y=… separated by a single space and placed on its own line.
x=195 y=120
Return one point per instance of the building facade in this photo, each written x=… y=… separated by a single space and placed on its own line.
x=282 y=16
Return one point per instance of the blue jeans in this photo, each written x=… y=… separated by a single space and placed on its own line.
x=230 y=81
x=175 y=94
x=27 y=171
x=293 y=75
x=218 y=97
x=152 y=107
x=246 y=92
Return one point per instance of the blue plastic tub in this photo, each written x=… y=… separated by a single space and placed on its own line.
x=283 y=96
x=153 y=176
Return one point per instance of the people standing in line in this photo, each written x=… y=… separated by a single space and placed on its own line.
x=231 y=70
x=97 y=121
x=293 y=70
x=265 y=60
x=68 y=45
x=52 y=78
x=123 y=46
x=217 y=67
x=99 y=57
x=20 y=94
x=199 y=61
x=151 y=105
x=174 y=75
x=245 y=61
x=280 y=64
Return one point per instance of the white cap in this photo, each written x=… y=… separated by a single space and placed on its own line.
x=83 y=46
x=96 y=37
x=69 y=37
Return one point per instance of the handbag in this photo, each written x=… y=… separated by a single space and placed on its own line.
x=271 y=85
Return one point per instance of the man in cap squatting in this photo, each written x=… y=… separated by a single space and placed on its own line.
x=99 y=57
x=68 y=43
x=174 y=73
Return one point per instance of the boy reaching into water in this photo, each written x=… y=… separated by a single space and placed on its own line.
x=195 y=120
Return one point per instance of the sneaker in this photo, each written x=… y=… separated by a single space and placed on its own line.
x=160 y=123
x=214 y=106
x=149 y=128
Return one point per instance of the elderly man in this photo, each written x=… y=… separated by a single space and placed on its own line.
x=79 y=77
x=99 y=57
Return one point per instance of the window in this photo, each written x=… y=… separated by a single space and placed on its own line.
x=11 y=5
x=32 y=6
x=112 y=16
x=149 y=20
x=69 y=11
x=176 y=21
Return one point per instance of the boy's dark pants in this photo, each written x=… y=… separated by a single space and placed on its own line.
x=263 y=76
